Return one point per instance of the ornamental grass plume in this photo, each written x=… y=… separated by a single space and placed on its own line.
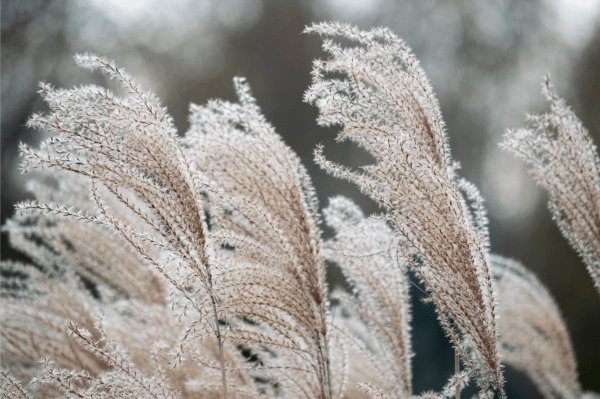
x=161 y=266
x=563 y=160
x=265 y=210
x=363 y=248
x=83 y=292
x=386 y=105
x=129 y=147
x=533 y=335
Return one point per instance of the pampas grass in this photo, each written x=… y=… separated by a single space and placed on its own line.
x=179 y=267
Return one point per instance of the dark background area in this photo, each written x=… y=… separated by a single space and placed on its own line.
x=486 y=63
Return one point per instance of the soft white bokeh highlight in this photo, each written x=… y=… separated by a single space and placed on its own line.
x=511 y=195
x=578 y=18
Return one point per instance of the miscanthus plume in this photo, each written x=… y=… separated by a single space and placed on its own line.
x=183 y=267
x=564 y=160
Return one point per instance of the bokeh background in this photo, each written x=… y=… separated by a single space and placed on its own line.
x=486 y=61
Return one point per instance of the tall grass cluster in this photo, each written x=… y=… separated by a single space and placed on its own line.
x=167 y=266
